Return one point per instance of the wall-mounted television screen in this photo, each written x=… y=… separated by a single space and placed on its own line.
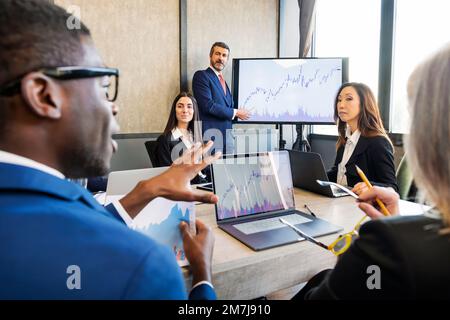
x=288 y=90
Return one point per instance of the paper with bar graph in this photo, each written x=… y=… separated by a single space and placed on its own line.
x=160 y=220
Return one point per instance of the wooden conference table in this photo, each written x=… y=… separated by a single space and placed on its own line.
x=241 y=273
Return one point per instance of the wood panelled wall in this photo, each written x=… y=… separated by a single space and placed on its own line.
x=249 y=27
x=142 y=39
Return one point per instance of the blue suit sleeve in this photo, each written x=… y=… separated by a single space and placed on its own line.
x=202 y=92
x=203 y=292
x=113 y=211
x=158 y=277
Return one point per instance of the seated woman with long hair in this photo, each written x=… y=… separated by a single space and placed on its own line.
x=362 y=140
x=404 y=257
x=182 y=131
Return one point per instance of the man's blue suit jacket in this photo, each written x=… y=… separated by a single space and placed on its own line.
x=216 y=109
x=48 y=224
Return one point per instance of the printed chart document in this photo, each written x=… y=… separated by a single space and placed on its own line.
x=160 y=220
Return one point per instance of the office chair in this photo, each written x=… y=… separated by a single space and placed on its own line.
x=406 y=187
x=151 y=150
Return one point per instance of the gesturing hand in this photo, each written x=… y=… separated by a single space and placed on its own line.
x=174 y=183
x=243 y=114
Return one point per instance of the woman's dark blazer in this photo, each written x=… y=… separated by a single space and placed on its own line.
x=402 y=257
x=375 y=157
x=164 y=148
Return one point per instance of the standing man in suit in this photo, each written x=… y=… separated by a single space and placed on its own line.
x=214 y=99
x=56 y=121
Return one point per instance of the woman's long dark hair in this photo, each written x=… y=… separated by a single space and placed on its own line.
x=194 y=125
x=369 y=119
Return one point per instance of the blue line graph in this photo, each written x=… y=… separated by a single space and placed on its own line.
x=160 y=220
x=289 y=90
x=299 y=80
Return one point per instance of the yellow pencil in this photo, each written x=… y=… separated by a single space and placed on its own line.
x=361 y=174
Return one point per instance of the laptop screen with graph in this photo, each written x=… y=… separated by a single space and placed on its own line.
x=254 y=192
x=252 y=184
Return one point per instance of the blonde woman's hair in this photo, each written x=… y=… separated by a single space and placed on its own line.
x=428 y=145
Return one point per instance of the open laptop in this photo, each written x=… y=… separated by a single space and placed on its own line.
x=122 y=182
x=254 y=192
x=307 y=168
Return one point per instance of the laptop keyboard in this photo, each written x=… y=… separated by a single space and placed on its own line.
x=270 y=223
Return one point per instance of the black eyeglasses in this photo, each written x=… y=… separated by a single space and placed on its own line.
x=110 y=82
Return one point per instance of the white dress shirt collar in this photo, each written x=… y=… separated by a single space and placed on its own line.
x=353 y=137
x=215 y=71
x=11 y=158
x=177 y=134
x=350 y=145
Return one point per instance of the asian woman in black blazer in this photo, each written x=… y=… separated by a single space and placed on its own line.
x=362 y=140
x=182 y=132
x=404 y=257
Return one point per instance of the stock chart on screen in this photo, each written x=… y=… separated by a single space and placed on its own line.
x=288 y=90
x=251 y=185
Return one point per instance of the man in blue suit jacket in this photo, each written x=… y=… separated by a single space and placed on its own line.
x=59 y=243
x=215 y=103
x=56 y=123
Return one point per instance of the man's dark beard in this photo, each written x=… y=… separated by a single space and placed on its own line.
x=83 y=163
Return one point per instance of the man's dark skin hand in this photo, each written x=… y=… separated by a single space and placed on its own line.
x=173 y=184
x=199 y=250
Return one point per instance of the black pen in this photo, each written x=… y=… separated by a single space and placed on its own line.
x=304 y=235
x=312 y=213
